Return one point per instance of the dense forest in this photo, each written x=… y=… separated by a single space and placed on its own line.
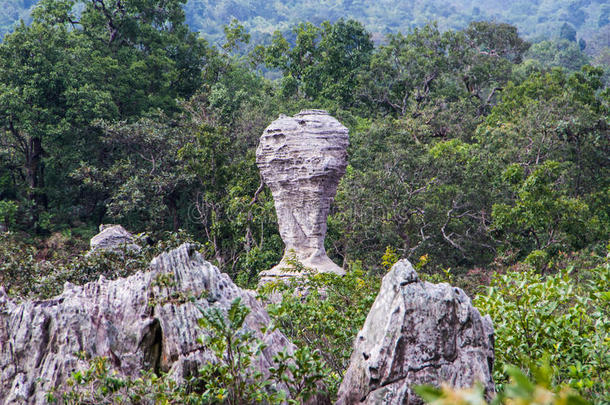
x=536 y=20
x=478 y=155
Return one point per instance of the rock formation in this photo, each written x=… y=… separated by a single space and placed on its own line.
x=417 y=333
x=113 y=237
x=137 y=322
x=302 y=159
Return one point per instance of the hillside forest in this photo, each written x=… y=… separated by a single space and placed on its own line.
x=478 y=155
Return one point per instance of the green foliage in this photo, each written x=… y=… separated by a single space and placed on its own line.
x=18 y=265
x=235 y=379
x=534 y=19
x=389 y=258
x=520 y=391
x=25 y=273
x=406 y=70
x=542 y=213
x=8 y=209
x=232 y=379
x=324 y=312
x=100 y=383
x=114 y=60
x=302 y=372
x=324 y=62
x=537 y=259
x=553 y=126
x=235 y=33
x=147 y=183
x=555 y=318
x=420 y=195
x=561 y=53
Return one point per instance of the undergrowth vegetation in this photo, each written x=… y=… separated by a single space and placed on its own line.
x=233 y=378
x=552 y=343
x=520 y=391
x=324 y=312
x=27 y=271
x=563 y=318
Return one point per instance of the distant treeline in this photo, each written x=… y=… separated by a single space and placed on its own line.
x=537 y=20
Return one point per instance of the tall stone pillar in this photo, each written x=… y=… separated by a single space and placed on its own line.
x=302 y=159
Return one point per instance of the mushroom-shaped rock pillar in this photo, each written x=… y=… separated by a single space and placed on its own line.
x=302 y=159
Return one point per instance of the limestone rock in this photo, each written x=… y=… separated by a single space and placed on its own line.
x=137 y=322
x=417 y=333
x=302 y=159
x=113 y=237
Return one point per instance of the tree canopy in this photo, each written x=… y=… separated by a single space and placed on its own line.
x=471 y=150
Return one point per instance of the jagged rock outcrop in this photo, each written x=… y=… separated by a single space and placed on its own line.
x=302 y=159
x=139 y=322
x=113 y=237
x=417 y=333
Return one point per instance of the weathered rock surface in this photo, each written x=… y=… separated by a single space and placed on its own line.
x=302 y=159
x=137 y=322
x=113 y=237
x=417 y=333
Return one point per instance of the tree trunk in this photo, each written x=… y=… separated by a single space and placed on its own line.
x=173 y=209
x=34 y=174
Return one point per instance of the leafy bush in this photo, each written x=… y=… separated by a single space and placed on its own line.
x=18 y=265
x=520 y=391
x=100 y=384
x=536 y=316
x=325 y=312
x=8 y=209
x=24 y=275
x=233 y=379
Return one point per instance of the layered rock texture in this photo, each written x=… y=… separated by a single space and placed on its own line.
x=417 y=333
x=146 y=321
x=302 y=159
x=113 y=237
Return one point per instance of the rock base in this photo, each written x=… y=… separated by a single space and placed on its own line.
x=144 y=322
x=417 y=333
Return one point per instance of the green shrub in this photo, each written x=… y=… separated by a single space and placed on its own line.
x=520 y=391
x=101 y=384
x=8 y=210
x=18 y=265
x=24 y=275
x=325 y=312
x=555 y=316
x=538 y=259
x=233 y=379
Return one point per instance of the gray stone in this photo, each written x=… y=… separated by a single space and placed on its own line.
x=113 y=238
x=302 y=159
x=137 y=322
x=417 y=333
